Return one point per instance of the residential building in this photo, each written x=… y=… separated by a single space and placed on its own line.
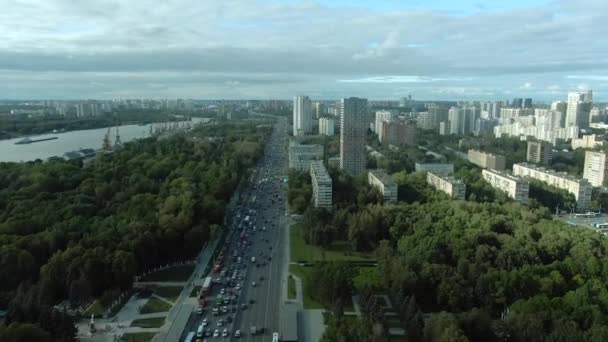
x=548 y=119
x=326 y=126
x=381 y=117
x=579 y=108
x=539 y=152
x=321 y=185
x=515 y=112
x=444 y=128
x=516 y=188
x=525 y=130
x=431 y=118
x=487 y=160
x=436 y=168
x=319 y=109
x=588 y=141
x=300 y=156
x=382 y=181
x=333 y=162
x=462 y=119
x=580 y=188
x=596 y=168
x=302 y=115
x=398 y=132
x=455 y=188
x=353 y=127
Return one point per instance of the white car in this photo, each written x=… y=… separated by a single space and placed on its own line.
x=225 y=333
x=216 y=333
x=253 y=283
x=220 y=322
x=237 y=333
x=205 y=322
x=222 y=291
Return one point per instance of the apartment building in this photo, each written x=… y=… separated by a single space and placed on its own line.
x=327 y=126
x=580 y=188
x=539 y=152
x=300 y=156
x=455 y=188
x=321 y=185
x=596 y=168
x=382 y=181
x=487 y=160
x=516 y=188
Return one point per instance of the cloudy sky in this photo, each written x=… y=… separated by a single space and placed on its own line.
x=212 y=49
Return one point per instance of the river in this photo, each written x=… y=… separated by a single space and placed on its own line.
x=70 y=141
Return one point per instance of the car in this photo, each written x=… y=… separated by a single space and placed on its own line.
x=253 y=283
x=205 y=322
x=220 y=322
x=243 y=306
x=225 y=333
x=251 y=301
x=237 y=333
x=229 y=319
x=261 y=278
x=222 y=291
x=199 y=310
x=216 y=333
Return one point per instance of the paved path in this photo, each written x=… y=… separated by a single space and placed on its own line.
x=162 y=299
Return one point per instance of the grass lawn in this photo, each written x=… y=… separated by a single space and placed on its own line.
x=291 y=288
x=137 y=337
x=303 y=272
x=303 y=252
x=154 y=305
x=177 y=273
x=168 y=292
x=195 y=291
x=398 y=339
x=155 y=322
x=96 y=309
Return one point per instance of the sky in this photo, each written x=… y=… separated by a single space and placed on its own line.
x=327 y=49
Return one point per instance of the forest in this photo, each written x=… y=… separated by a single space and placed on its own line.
x=76 y=232
x=486 y=269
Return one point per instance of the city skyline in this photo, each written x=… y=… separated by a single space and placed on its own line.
x=327 y=49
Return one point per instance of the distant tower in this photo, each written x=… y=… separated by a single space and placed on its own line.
x=107 y=146
x=118 y=141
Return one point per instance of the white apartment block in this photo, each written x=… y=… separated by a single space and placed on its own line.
x=382 y=181
x=596 y=168
x=302 y=115
x=381 y=116
x=517 y=129
x=353 y=129
x=300 y=156
x=321 y=185
x=516 y=188
x=327 y=126
x=580 y=188
x=436 y=168
x=579 y=108
x=487 y=160
x=588 y=141
x=455 y=188
x=515 y=112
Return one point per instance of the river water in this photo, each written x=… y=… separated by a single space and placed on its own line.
x=70 y=141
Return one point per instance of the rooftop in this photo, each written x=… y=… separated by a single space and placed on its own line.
x=503 y=174
x=320 y=172
x=563 y=175
x=384 y=177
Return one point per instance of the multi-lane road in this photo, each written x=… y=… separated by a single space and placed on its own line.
x=257 y=230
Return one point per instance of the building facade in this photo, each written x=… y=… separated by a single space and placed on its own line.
x=327 y=126
x=382 y=181
x=579 y=108
x=539 y=152
x=588 y=141
x=580 y=188
x=596 y=168
x=353 y=127
x=398 y=133
x=381 y=117
x=300 y=156
x=321 y=185
x=516 y=188
x=302 y=115
x=487 y=160
x=455 y=188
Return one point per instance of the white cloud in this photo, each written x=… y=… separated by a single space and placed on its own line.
x=401 y=79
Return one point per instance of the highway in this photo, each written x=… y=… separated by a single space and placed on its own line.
x=263 y=203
